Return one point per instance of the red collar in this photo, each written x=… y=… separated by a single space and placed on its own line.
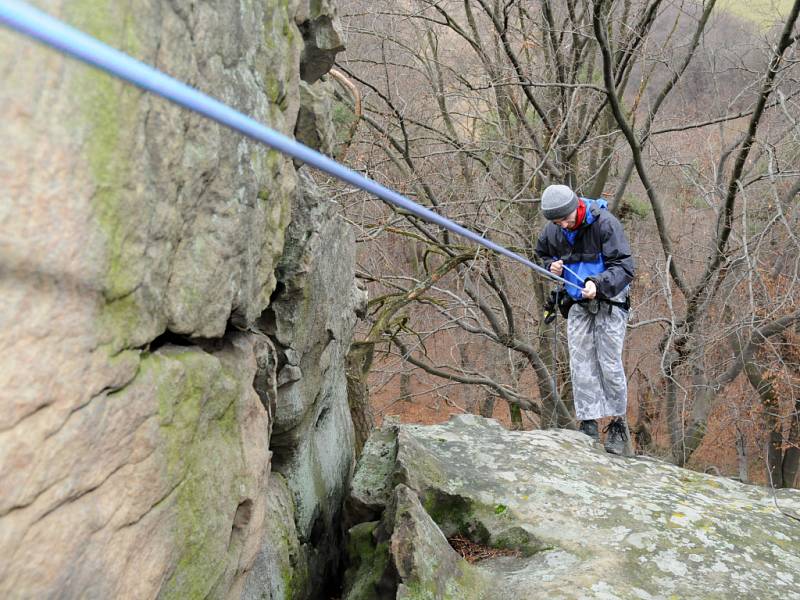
x=580 y=216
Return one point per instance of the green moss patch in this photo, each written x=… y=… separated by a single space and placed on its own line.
x=197 y=403
x=370 y=563
x=108 y=117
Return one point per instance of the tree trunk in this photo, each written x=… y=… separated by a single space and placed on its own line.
x=775 y=458
x=487 y=406
x=770 y=405
x=741 y=456
x=358 y=363
x=791 y=457
x=516 y=417
x=674 y=419
x=471 y=403
x=601 y=159
x=405 y=387
x=548 y=334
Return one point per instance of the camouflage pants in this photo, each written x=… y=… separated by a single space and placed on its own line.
x=599 y=386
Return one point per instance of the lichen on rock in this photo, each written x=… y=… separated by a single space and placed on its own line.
x=587 y=524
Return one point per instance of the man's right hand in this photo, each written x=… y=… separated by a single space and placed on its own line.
x=557 y=267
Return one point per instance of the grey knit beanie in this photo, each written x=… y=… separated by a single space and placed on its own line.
x=558 y=201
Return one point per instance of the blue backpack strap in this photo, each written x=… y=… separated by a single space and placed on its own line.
x=595 y=206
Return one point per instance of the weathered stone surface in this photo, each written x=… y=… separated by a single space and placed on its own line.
x=136 y=239
x=407 y=556
x=370 y=564
x=313 y=313
x=280 y=569
x=123 y=215
x=311 y=319
x=322 y=35
x=314 y=121
x=426 y=564
x=586 y=524
x=149 y=489
x=372 y=486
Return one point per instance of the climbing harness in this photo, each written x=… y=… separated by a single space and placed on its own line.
x=27 y=20
x=563 y=302
x=550 y=307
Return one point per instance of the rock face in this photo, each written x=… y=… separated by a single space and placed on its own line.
x=581 y=523
x=312 y=435
x=166 y=309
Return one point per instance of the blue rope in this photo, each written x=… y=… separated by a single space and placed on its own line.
x=36 y=24
x=578 y=277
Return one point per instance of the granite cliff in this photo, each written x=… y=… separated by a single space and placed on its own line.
x=177 y=302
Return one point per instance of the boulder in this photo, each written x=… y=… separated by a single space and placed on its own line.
x=373 y=483
x=560 y=518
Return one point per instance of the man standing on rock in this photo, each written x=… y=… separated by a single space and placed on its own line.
x=586 y=245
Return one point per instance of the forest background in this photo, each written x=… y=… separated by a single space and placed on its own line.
x=683 y=115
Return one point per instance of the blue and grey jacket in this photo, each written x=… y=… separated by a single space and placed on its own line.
x=598 y=251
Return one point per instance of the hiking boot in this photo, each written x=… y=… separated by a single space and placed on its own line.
x=590 y=429
x=616 y=436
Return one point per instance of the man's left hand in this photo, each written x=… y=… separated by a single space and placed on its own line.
x=590 y=290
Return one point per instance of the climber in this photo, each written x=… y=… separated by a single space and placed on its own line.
x=586 y=243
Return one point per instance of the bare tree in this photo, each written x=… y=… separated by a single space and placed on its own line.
x=680 y=344
x=471 y=107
